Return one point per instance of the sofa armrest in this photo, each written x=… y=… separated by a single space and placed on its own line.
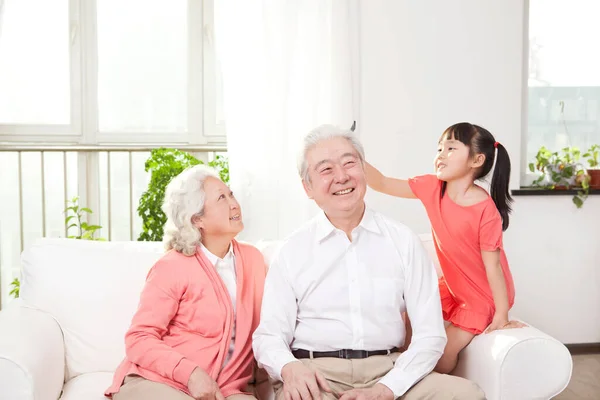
x=32 y=355
x=514 y=364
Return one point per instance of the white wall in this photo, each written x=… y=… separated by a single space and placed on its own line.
x=430 y=63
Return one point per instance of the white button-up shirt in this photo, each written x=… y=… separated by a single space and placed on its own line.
x=324 y=292
x=226 y=269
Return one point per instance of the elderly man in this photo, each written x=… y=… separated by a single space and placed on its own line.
x=331 y=320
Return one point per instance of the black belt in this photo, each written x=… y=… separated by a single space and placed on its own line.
x=344 y=353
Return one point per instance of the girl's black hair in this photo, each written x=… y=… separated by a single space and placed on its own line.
x=480 y=141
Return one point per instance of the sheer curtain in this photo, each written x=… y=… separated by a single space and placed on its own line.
x=1 y=15
x=288 y=66
x=3 y=285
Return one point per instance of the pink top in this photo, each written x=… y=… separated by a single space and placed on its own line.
x=184 y=321
x=460 y=234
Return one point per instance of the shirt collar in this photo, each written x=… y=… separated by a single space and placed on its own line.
x=369 y=223
x=213 y=258
x=325 y=227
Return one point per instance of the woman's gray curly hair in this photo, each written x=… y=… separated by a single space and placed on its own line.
x=184 y=199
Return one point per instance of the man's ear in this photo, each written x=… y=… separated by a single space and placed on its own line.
x=307 y=188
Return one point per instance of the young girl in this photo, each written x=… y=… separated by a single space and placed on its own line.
x=476 y=288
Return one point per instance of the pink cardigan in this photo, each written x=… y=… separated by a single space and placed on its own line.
x=184 y=321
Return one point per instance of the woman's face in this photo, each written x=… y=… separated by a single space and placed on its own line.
x=222 y=213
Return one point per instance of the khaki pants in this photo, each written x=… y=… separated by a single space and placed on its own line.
x=343 y=375
x=137 y=388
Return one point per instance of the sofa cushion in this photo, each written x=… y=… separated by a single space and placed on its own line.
x=87 y=386
x=269 y=249
x=427 y=241
x=92 y=289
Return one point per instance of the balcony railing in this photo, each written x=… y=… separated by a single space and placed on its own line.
x=37 y=182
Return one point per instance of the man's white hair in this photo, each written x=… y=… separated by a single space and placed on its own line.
x=324 y=132
x=184 y=199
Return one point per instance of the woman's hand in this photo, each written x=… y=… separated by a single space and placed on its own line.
x=203 y=387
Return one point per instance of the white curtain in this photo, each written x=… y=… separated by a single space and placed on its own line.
x=3 y=285
x=288 y=66
x=1 y=14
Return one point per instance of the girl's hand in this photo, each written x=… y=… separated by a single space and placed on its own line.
x=501 y=321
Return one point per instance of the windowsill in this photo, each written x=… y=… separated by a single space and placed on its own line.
x=532 y=191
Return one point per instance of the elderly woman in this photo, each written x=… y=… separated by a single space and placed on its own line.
x=191 y=336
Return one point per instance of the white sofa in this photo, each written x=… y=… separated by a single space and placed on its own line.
x=64 y=337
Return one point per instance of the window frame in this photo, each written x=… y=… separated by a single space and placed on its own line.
x=56 y=132
x=84 y=129
x=527 y=177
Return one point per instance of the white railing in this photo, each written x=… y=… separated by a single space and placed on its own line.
x=37 y=182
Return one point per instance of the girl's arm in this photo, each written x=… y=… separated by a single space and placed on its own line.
x=391 y=186
x=495 y=276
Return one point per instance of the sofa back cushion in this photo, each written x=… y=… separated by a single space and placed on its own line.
x=427 y=241
x=92 y=289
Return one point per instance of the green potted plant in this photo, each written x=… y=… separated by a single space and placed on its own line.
x=593 y=158
x=16 y=288
x=561 y=170
x=84 y=231
x=164 y=164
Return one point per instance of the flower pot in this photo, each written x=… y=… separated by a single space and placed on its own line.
x=594 y=178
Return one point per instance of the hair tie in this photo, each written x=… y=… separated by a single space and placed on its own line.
x=496 y=145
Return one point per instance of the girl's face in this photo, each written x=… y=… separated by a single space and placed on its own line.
x=453 y=160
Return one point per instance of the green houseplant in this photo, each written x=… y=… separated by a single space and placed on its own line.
x=15 y=288
x=592 y=156
x=164 y=164
x=561 y=170
x=558 y=169
x=84 y=231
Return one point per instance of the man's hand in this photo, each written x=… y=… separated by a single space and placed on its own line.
x=377 y=392
x=300 y=383
x=500 y=321
x=203 y=387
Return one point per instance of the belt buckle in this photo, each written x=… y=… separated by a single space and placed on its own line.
x=344 y=354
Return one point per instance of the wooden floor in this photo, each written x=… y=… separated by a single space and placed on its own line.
x=585 y=381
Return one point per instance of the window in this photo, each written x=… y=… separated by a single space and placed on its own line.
x=109 y=71
x=75 y=73
x=142 y=66
x=35 y=62
x=564 y=78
